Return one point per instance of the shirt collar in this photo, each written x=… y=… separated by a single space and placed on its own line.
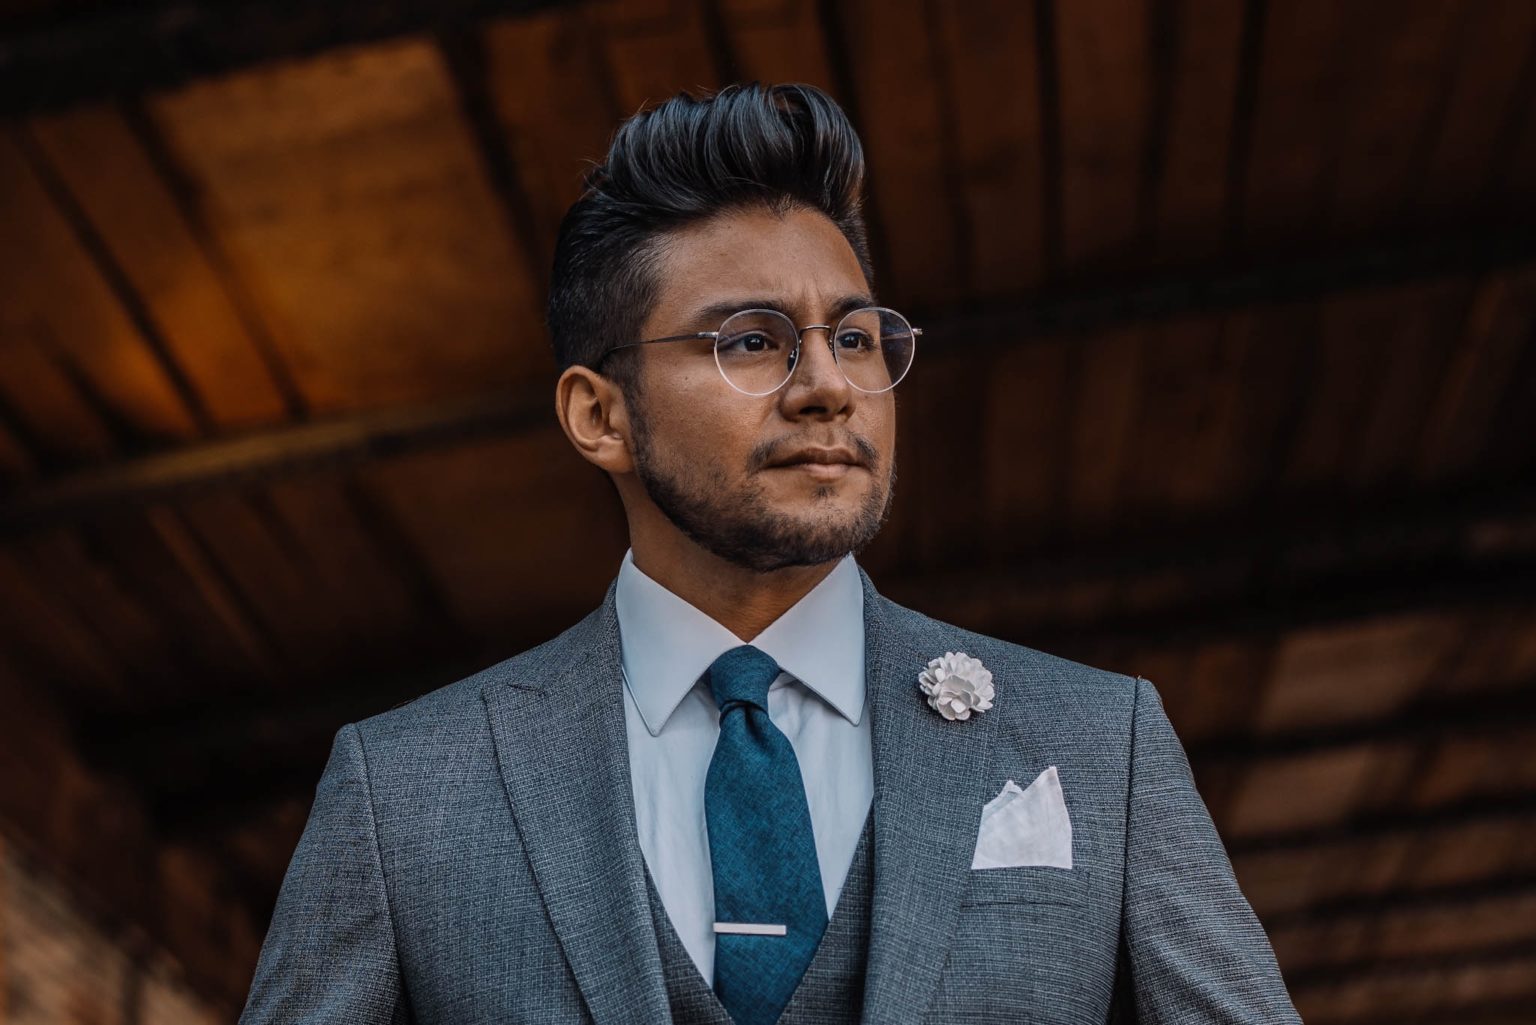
x=667 y=644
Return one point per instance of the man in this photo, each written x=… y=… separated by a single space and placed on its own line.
x=747 y=787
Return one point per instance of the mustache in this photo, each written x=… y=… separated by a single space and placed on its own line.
x=769 y=451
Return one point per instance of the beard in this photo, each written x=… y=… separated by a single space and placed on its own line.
x=736 y=523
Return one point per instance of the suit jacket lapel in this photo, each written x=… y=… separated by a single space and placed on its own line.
x=563 y=752
x=931 y=777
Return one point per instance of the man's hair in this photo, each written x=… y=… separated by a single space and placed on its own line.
x=684 y=161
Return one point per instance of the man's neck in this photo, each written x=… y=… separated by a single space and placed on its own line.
x=743 y=601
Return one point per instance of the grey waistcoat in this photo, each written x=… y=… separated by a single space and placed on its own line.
x=832 y=990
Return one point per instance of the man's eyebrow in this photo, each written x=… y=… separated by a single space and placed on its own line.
x=716 y=312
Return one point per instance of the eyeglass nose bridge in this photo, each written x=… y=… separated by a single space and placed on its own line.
x=794 y=357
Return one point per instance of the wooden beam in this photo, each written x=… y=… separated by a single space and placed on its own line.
x=223 y=738
x=1500 y=1011
x=1324 y=564
x=1364 y=968
x=955 y=335
x=1369 y=907
x=329 y=443
x=1439 y=717
x=100 y=50
x=1241 y=286
x=1378 y=824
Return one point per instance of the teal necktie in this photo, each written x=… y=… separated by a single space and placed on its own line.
x=770 y=910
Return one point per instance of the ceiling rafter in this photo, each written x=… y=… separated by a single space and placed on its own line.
x=1476 y=713
x=124 y=49
x=350 y=438
x=1406 y=901
x=1375 y=825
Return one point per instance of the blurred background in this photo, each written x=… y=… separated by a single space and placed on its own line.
x=1228 y=380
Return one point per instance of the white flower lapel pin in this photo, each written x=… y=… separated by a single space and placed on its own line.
x=957 y=685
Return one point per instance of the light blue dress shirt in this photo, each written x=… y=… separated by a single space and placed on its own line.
x=817 y=701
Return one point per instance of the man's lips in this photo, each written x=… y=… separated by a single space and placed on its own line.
x=820 y=463
x=820 y=457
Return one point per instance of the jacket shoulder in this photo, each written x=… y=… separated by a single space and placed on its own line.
x=1045 y=674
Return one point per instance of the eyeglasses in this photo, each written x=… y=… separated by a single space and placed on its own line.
x=757 y=350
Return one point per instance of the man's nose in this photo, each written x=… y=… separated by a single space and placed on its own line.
x=817 y=381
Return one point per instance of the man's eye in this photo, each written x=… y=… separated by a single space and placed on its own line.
x=751 y=342
x=854 y=341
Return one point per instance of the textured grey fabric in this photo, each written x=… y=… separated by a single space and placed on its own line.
x=832 y=990
x=472 y=855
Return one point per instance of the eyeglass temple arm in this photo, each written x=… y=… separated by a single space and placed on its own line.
x=670 y=338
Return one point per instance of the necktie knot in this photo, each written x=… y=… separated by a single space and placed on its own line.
x=742 y=674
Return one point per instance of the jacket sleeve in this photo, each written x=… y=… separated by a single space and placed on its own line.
x=1197 y=952
x=330 y=954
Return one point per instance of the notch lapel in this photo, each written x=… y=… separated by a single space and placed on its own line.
x=562 y=748
x=931 y=777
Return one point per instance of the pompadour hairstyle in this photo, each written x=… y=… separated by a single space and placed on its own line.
x=684 y=161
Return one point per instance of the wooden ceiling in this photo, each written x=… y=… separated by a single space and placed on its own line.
x=1230 y=382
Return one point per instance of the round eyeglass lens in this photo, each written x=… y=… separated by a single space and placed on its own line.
x=756 y=350
x=874 y=346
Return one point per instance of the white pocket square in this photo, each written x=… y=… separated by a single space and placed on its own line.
x=1026 y=827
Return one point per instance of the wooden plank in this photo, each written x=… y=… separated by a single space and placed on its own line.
x=1511 y=191
x=1482 y=849
x=1424 y=328
x=128 y=633
x=1355 y=671
x=1366 y=865
x=45 y=639
x=1103 y=50
x=1223 y=682
x=1510 y=447
x=51 y=292
x=1105 y=401
x=1397 y=78
x=1397 y=995
x=17 y=462
x=496 y=582
x=1026 y=438
x=890 y=56
x=40 y=390
x=549 y=82
x=1495 y=763
x=1302 y=73
x=1281 y=347
x=656 y=49
x=152 y=559
x=1183 y=457
x=1191 y=197
x=945 y=461
x=269 y=567
x=778 y=41
x=1439 y=928
x=91 y=51
x=991 y=55
x=350 y=197
x=131 y=206
x=1359 y=339
x=1305 y=791
x=354 y=577
x=1496 y=336
x=1498 y=649
x=1494 y=44
x=7 y=916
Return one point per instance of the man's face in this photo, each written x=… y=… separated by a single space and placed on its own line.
x=731 y=470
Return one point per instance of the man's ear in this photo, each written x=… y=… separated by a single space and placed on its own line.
x=593 y=415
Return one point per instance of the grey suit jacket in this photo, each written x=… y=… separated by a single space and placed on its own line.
x=471 y=857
